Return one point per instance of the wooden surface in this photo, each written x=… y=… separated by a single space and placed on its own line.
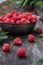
x=34 y=50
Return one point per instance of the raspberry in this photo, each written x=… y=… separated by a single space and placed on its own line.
x=9 y=15
x=14 y=17
x=31 y=38
x=39 y=30
x=29 y=18
x=34 y=17
x=12 y=21
x=17 y=22
x=27 y=21
x=0 y=18
x=5 y=17
x=6 y=47
x=28 y=14
x=23 y=20
x=19 y=16
x=18 y=13
x=17 y=41
x=24 y=15
x=14 y=12
x=7 y=20
x=21 y=52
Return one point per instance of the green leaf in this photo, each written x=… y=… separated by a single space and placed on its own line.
x=39 y=62
x=18 y=1
x=39 y=3
x=41 y=35
x=24 y=3
x=3 y=37
x=42 y=39
x=3 y=33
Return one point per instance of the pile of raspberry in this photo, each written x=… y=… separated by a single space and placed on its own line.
x=15 y=17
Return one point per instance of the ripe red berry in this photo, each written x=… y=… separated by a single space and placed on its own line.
x=34 y=17
x=7 y=20
x=18 y=13
x=21 y=52
x=17 y=41
x=18 y=22
x=9 y=15
x=26 y=21
x=15 y=17
x=6 y=47
x=28 y=14
x=24 y=15
x=23 y=20
x=31 y=38
x=12 y=21
x=29 y=18
x=38 y=30
x=19 y=16
x=14 y=12
x=0 y=18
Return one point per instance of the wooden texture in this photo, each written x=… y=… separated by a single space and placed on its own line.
x=34 y=50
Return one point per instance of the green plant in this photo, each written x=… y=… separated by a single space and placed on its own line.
x=23 y=3
x=39 y=62
x=41 y=36
x=3 y=35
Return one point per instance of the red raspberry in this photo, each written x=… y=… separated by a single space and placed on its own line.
x=28 y=14
x=7 y=20
x=0 y=18
x=31 y=38
x=12 y=21
x=6 y=47
x=9 y=15
x=18 y=13
x=5 y=17
x=34 y=17
x=14 y=17
x=27 y=21
x=14 y=12
x=21 y=52
x=39 y=30
x=21 y=16
x=29 y=18
x=17 y=41
x=23 y=20
x=24 y=15
x=17 y=22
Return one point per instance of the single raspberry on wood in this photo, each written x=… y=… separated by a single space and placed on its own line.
x=21 y=52
x=17 y=41
x=6 y=47
x=31 y=37
x=38 y=30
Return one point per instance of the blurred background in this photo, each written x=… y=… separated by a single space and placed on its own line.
x=21 y=5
